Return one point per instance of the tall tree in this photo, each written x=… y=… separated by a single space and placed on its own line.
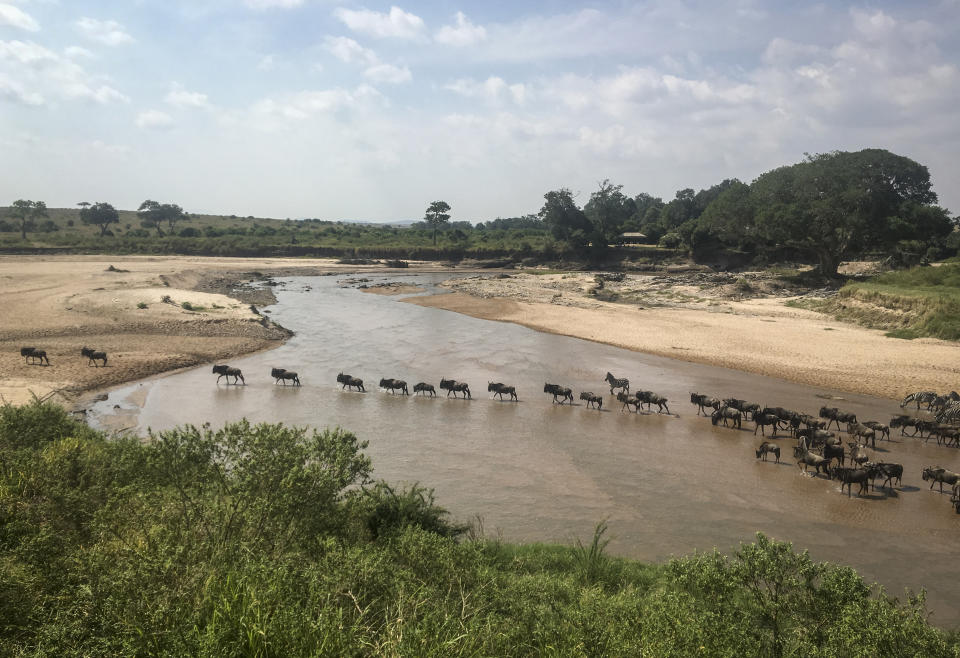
x=566 y=221
x=438 y=214
x=832 y=204
x=26 y=213
x=608 y=210
x=100 y=214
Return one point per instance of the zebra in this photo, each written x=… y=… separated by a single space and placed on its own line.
x=452 y=386
x=615 y=383
x=650 y=398
x=31 y=354
x=283 y=375
x=352 y=382
x=703 y=401
x=592 y=399
x=228 y=372
x=394 y=385
x=499 y=389
x=950 y=413
x=93 y=356
x=559 y=391
x=920 y=397
x=423 y=387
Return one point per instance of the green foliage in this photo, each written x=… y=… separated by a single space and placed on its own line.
x=265 y=540
x=141 y=305
x=99 y=214
x=25 y=214
x=437 y=215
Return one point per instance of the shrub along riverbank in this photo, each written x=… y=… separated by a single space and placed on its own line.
x=269 y=540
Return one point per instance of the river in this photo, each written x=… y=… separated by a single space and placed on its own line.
x=536 y=471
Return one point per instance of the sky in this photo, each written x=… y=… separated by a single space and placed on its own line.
x=370 y=111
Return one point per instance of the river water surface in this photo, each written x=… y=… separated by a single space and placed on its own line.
x=536 y=471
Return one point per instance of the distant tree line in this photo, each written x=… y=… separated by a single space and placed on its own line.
x=825 y=209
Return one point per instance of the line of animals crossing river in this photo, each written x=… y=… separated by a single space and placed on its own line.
x=842 y=454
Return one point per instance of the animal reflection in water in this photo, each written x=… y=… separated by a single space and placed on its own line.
x=500 y=389
x=228 y=372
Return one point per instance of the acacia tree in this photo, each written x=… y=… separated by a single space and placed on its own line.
x=437 y=215
x=152 y=214
x=26 y=213
x=833 y=204
x=99 y=214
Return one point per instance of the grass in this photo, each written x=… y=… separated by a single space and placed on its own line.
x=915 y=303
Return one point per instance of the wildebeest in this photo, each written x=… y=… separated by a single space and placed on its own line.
x=650 y=398
x=423 y=387
x=806 y=458
x=704 y=401
x=834 y=452
x=858 y=453
x=393 y=385
x=451 y=386
x=815 y=437
x=763 y=420
x=861 y=431
x=352 y=382
x=834 y=415
x=727 y=414
x=615 y=383
x=849 y=476
x=889 y=471
x=93 y=356
x=941 y=475
x=592 y=399
x=904 y=421
x=945 y=435
x=767 y=447
x=562 y=392
x=283 y=375
x=228 y=372
x=501 y=389
x=879 y=428
x=628 y=401
x=32 y=355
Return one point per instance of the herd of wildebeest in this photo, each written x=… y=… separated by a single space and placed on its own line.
x=817 y=447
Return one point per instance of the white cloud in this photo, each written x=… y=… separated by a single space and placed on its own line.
x=494 y=90
x=872 y=25
x=40 y=72
x=180 y=97
x=16 y=17
x=109 y=33
x=397 y=23
x=347 y=50
x=464 y=33
x=76 y=52
x=154 y=120
x=273 y=4
x=10 y=90
x=267 y=63
x=388 y=73
x=305 y=104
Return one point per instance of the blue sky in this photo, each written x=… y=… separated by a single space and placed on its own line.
x=337 y=110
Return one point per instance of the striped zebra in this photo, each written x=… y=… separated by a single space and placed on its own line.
x=616 y=383
x=950 y=414
x=920 y=397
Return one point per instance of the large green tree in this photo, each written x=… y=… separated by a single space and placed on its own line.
x=608 y=210
x=566 y=221
x=834 y=204
x=99 y=214
x=152 y=214
x=437 y=215
x=26 y=213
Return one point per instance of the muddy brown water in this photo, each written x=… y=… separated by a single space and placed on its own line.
x=536 y=471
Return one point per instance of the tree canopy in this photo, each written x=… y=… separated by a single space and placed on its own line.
x=438 y=214
x=99 y=214
x=26 y=213
x=152 y=214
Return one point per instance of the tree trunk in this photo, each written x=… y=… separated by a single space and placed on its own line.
x=829 y=263
x=23 y=231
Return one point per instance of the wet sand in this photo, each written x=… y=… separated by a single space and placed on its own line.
x=761 y=336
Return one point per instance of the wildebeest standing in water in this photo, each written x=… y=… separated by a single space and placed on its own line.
x=228 y=372
x=559 y=392
x=498 y=388
x=423 y=387
x=593 y=400
x=352 y=382
x=452 y=386
x=284 y=375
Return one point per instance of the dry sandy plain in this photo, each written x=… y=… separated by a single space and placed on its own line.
x=61 y=304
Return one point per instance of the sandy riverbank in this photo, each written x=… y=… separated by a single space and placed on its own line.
x=61 y=304
x=713 y=324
